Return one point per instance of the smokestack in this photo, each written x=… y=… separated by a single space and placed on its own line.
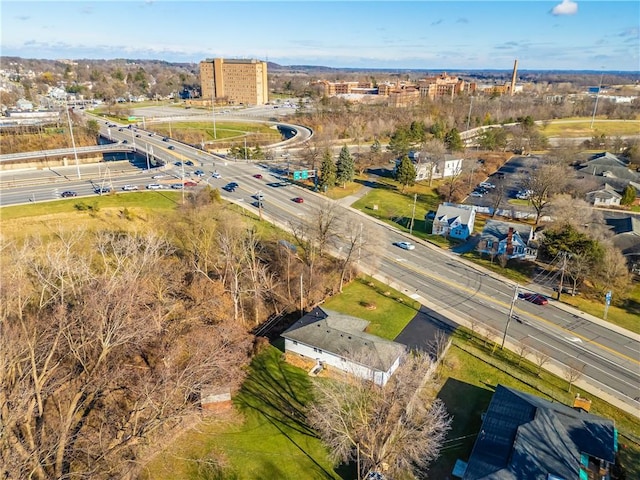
x=513 y=78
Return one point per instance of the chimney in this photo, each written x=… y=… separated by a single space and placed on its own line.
x=513 y=78
x=509 y=249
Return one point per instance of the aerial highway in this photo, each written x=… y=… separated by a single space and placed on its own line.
x=448 y=286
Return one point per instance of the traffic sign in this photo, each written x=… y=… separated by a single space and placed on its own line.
x=607 y=297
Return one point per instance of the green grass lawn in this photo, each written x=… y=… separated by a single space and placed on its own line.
x=626 y=316
x=271 y=442
x=393 y=309
x=581 y=127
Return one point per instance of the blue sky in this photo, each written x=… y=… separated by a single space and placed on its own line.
x=561 y=34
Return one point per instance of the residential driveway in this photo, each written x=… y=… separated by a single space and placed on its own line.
x=422 y=328
x=467 y=246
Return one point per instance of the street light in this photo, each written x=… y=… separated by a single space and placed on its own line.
x=73 y=141
x=595 y=107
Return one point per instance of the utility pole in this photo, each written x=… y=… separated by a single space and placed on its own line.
x=506 y=327
x=245 y=148
x=565 y=255
x=413 y=213
x=469 y=116
x=595 y=107
x=213 y=105
x=301 y=298
x=73 y=141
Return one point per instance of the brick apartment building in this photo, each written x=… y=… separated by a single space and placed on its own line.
x=234 y=81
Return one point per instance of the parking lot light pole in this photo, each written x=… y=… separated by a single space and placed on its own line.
x=506 y=327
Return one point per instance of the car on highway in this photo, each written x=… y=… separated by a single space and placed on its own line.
x=229 y=188
x=68 y=193
x=199 y=173
x=160 y=175
x=120 y=130
x=405 y=245
x=216 y=175
x=535 y=298
x=125 y=141
x=128 y=188
x=154 y=186
x=189 y=183
x=101 y=190
x=257 y=175
x=178 y=164
x=189 y=162
x=177 y=186
x=258 y=196
x=171 y=147
x=137 y=135
x=151 y=134
x=298 y=200
x=165 y=139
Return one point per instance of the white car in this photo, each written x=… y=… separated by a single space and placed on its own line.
x=405 y=245
x=128 y=188
x=487 y=185
x=154 y=186
x=155 y=177
x=216 y=175
x=475 y=194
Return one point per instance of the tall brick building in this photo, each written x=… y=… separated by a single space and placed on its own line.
x=234 y=81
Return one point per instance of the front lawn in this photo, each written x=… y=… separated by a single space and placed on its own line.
x=392 y=312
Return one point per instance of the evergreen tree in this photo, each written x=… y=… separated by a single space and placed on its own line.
x=629 y=195
x=345 y=167
x=453 y=141
x=327 y=171
x=400 y=142
x=406 y=173
x=376 y=148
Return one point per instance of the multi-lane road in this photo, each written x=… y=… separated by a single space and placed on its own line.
x=446 y=284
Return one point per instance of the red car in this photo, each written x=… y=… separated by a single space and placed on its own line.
x=190 y=184
x=298 y=200
x=535 y=298
x=257 y=175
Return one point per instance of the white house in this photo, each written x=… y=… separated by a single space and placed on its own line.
x=429 y=168
x=337 y=340
x=606 y=196
x=452 y=221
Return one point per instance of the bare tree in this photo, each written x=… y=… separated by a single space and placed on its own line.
x=438 y=346
x=541 y=358
x=522 y=349
x=543 y=183
x=573 y=371
x=393 y=429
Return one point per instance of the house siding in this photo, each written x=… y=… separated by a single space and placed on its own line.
x=341 y=363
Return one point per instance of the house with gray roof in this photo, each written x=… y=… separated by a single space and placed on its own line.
x=604 y=197
x=454 y=221
x=610 y=166
x=525 y=437
x=338 y=340
x=626 y=238
x=514 y=240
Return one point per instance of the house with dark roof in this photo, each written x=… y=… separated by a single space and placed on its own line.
x=454 y=221
x=514 y=240
x=604 y=197
x=525 y=437
x=626 y=238
x=610 y=166
x=338 y=340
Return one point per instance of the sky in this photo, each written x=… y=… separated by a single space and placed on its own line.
x=446 y=34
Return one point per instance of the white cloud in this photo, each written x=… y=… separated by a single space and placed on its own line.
x=567 y=7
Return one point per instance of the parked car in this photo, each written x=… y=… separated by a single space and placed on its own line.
x=487 y=185
x=405 y=245
x=567 y=289
x=128 y=188
x=475 y=194
x=68 y=193
x=535 y=298
x=298 y=200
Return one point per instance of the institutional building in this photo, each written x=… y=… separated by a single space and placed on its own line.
x=234 y=81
